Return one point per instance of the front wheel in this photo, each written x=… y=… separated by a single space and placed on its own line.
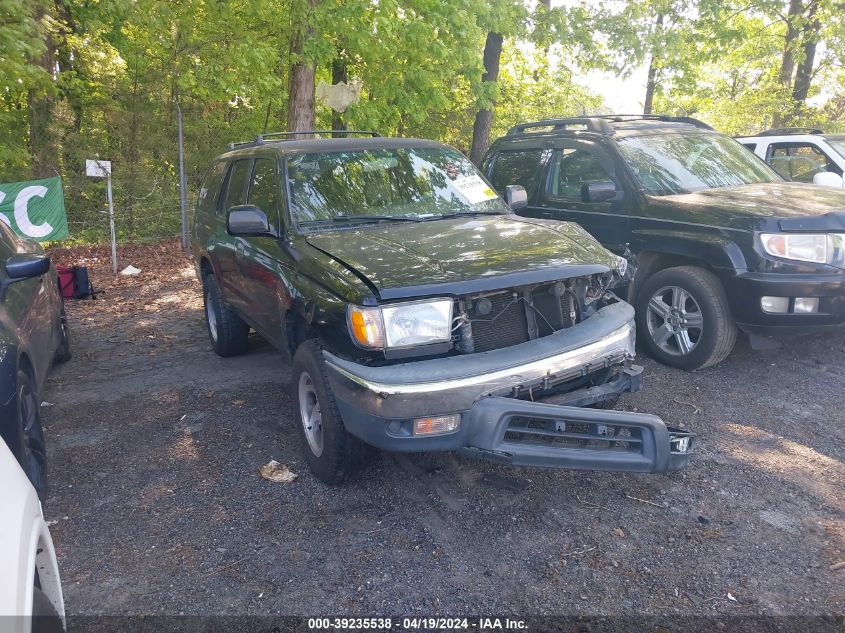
x=684 y=319
x=332 y=453
x=30 y=448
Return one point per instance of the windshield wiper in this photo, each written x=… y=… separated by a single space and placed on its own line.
x=365 y=218
x=461 y=214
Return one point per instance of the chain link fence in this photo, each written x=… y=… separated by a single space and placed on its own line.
x=145 y=172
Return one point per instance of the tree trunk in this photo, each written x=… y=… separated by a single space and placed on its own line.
x=787 y=63
x=651 y=81
x=301 y=83
x=42 y=143
x=339 y=74
x=804 y=72
x=484 y=116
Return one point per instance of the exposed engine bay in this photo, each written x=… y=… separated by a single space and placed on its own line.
x=501 y=318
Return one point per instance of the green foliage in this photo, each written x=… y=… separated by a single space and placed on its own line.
x=110 y=75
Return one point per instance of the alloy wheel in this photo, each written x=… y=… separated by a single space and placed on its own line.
x=675 y=321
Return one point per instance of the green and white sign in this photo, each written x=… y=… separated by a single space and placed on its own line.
x=35 y=209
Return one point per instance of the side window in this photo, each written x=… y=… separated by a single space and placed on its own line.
x=574 y=168
x=210 y=190
x=800 y=161
x=236 y=185
x=264 y=189
x=522 y=167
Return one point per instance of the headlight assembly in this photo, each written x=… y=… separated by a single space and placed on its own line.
x=819 y=248
x=397 y=325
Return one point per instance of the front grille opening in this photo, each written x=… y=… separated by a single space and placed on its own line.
x=574 y=434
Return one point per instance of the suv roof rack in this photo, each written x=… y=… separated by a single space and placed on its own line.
x=593 y=124
x=785 y=131
x=603 y=123
x=284 y=136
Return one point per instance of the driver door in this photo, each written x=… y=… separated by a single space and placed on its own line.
x=263 y=263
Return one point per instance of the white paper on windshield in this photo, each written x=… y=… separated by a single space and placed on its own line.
x=474 y=189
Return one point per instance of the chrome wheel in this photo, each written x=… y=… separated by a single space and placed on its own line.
x=310 y=415
x=674 y=319
x=210 y=316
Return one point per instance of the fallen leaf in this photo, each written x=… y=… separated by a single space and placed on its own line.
x=239 y=402
x=618 y=532
x=279 y=473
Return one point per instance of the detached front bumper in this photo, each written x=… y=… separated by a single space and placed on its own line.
x=379 y=404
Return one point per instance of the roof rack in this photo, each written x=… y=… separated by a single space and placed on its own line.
x=602 y=123
x=785 y=131
x=284 y=136
x=593 y=124
x=619 y=118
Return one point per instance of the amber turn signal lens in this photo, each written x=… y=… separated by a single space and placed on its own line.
x=437 y=425
x=366 y=327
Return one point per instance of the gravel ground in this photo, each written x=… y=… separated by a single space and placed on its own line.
x=155 y=445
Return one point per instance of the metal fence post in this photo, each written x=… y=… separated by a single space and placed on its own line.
x=111 y=224
x=183 y=194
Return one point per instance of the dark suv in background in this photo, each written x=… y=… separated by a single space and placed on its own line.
x=420 y=313
x=722 y=242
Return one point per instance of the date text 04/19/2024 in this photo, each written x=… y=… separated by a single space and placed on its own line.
x=416 y=623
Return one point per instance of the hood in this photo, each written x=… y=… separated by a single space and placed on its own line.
x=463 y=255
x=765 y=205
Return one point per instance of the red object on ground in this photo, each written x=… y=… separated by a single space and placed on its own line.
x=66 y=276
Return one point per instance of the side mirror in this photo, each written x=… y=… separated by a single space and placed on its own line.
x=599 y=191
x=21 y=267
x=516 y=197
x=246 y=220
x=26 y=266
x=828 y=179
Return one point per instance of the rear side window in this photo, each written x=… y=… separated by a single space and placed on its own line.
x=210 y=191
x=236 y=187
x=523 y=167
x=264 y=190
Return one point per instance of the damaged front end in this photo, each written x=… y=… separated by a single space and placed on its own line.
x=526 y=363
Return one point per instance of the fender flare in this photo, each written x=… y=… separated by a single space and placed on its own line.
x=717 y=251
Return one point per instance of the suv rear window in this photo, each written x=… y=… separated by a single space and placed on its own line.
x=520 y=167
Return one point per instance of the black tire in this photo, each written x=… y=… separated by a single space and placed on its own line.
x=30 y=448
x=227 y=331
x=63 y=353
x=45 y=618
x=340 y=454
x=705 y=303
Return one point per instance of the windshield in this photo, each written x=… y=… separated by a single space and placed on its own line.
x=838 y=144
x=674 y=163
x=404 y=183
